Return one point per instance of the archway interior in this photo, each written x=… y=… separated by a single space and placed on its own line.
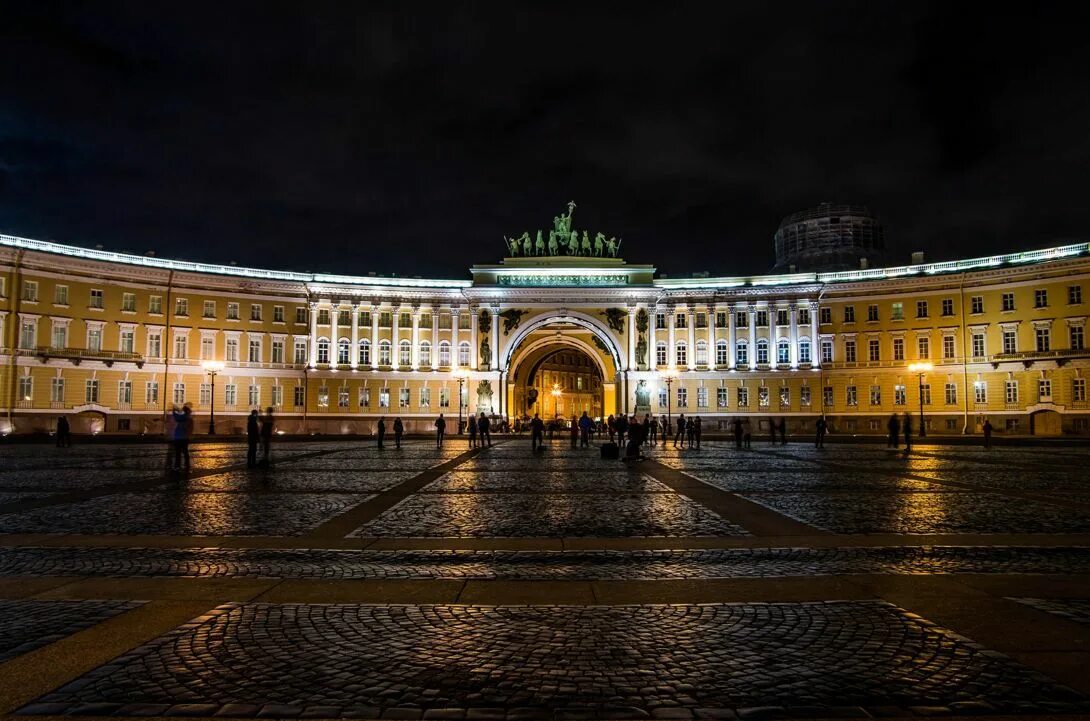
x=560 y=371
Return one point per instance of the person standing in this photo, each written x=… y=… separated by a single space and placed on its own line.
x=381 y=431
x=772 y=429
x=585 y=424
x=821 y=428
x=573 y=431
x=471 y=427
x=537 y=433
x=183 y=429
x=906 y=424
x=680 y=433
x=64 y=433
x=690 y=431
x=485 y=429
x=747 y=435
x=611 y=426
x=399 y=430
x=653 y=431
x=987 y=433
x=440 y=429
x=268 y=425
x=697 y=430
x=665 y=429
x=894 y=428
x=783 y=431
x=738 y=433
x=253 y=435
x=621 y=424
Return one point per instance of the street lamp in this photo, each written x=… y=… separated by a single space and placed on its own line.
x=921 y=368
x=461 y=376
x=556 y=399
x=212 y=367
x=668 y=377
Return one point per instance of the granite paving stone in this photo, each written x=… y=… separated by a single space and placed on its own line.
x=1074 y=609
x=27 y=624
x=615 y=481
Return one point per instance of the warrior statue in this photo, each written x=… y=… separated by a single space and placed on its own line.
x=641 y=351
x=612 y=245
x=512 y=245
x=553 y=248
x=486 y=354
x=525 y=238
x=539 y=246
x=585 y=247
x=599 y=244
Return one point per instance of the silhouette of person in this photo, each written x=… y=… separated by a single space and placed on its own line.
x=268 y=425
x=821 y=428
x=399 y=431
x=471 y=427
x=987 y=433
x=253 y=436
x=894 y=428
x=485 y=429
x=680 y=434
x=738 y=433
x=64 y=433
x=906 y=424
x=440 y=429
x=381 y=431
x=783 y=431
x=537 y=433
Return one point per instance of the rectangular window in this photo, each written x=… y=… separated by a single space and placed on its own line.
x=56 y=390
x=405 y=320
x=230 y=349
x=1078 y=390
x=721 y=354
x=386 y=319
x=90 y=391
x=255 y=351
x=403 y=397
x=720 y=320
x=128 y=341
x=151 y=393
x=762 y=397
x=951 y=394
x=681 y=320
x=826 y=351
x=701 y=397
x=1011 y=391
x=278 y=396
x=782 y=317
x=742 y=354
x=232 y=311
x=874 y=350
x=872 y=313
x=947 y=306
x=804 y=316
x=30 y=291
x=365 y=397
x=155 y=305
x=827 y=396
x=976 y=304
x=849 y=351
x=980 y=392
x=254 y=398
x=26 y=388
x=925 y=394
x=921 y=309
x=204 y=396
x=898 y=349
x=365 y=320
x=384 y=398
x=278 y=314
x=1075 y=333
x=1044 y=339
x=1044 y=390
x=323 y=396
x=851 y=397
x=897 y=311
x=900 y=396
x=762 y=319
x=96 y=300
x=300 y=315
x=180 y=347
x=60 y=335
x=1040 y=298
x=804 y=395
x=323 y=316
x=230 y=394
x=444 y=398
x=60 y=295
x=876 y=395
x=1010 y=341
x=682 y=397
x=425 y=320
x=94 y=339
x=849 y=314
x=923 y=347
x=277 y=351
x=255 y=311
x=155 y=345
x=1074 y=294
x=660 y=321
x=721 y=397
x=28 y=334
x=978 y=345
x=299 y=396
x=1008 y=301
x=209 y=309
x=663 y=397
x=425 y=397
x=208 y=347
x=743 y=397
x=181 y=306
x=342 y=397
x=826 y=315
x=300 y=352
x=681 y=354
x=785 y=396
x=804 y=352
x=741 y=319
x=948 y=347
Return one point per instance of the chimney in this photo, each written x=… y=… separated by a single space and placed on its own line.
x=917 y=258
x=791 y=268
x=863 y=264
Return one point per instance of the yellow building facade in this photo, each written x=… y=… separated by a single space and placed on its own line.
x=113 y=341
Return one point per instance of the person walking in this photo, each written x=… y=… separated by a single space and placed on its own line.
x=611 y=427
x=987 y=433
x=471 y=428
x=253 y=436
x=399 y=430
x=665 y=429
x=738 y=433
x=690 y=431
x=783 y=431
x=64 y=433
x=822 y=426
x=484 y=429
x=585 y=424
x=268 y=425
x=894 y=428
x=381 y=431
x=621 y=424
x=573 y=432
x=680 y=433
x=183 y=429
x=537 y=433
x=653 y=431
x=747 y=434
x=440 y=429
x=906 y=424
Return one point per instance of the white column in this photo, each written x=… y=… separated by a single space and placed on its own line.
x=395 y=356
x=474 y=361
x=375 y=312
x=652 y=338
x=415 y=352
x=774 y=325
x=334 y=346
x=731 y=339
x=711 y=336
x=794 y=337
x=434 y=338
x=690 y=358
x=354 y=351
x=632 y=365
x=313 y=335
x=815 y=340
x=752 y=336
x=671 y=351
x=455 y=321
x=495 y=311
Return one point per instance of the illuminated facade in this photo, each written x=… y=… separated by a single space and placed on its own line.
x=113 y=341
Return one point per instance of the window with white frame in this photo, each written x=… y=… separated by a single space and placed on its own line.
x=721 y=398
x=951 y=394
x=804 y=395
x=925 y=394
x=323 y=350
x=743 y=397
x=783 y=351
x=180 y=346
x=56 y=390
x=663 y=397
x=1044 y=338
x=897 y=311
x=59 y=338
x=1044 y=390
x=900 y=395
x=30 y=291
x=384 y=398
x=849 y=350
x=851 y=397
x=404 y=353
x=827 y=396
x=978 y=344
x=181 y=306
x=1040 y=298
x=849 y=314
x=947 y=306
x=976 y=304
x=425 y=397
x=804 y=316
x=680 y=353
x=898 y=349
x=425 y=354
x=741 y=353
x=782 y=317
x=403 y=397
x=785 y=396
x=301 y=315
x=701 y=397
x=28 y=333
x=128 y=340
x=299 y=396
x=155 y=344
x=872 y=313
x=278 y=314
x=660 y=353
x=444 y=353
x=826 y=350
x=342 y=397
x=277 y=396
x=923 y=347
x=762 y=397
x=762 y=319
x=232 y=311
x=1078 y=390
x=344 y=351
x=277 y=351
x=209 y=309
x=1010 y=340
x=323 y=397
x=825 y=315
x=364 y=357
x=230 y=394
x=1075 y=336
x=948 y=352
x=741 y=319
x=980 y=392
x=26 y=388
x=1007 y=300
x=365 y=397
x=155 y=305
x=208 y=347
x=151 y=393
x=1011 y=391
x=255 y=311
x=60 y=295
x=463 y=353
x=876 y=395
x=701 y=353
x=1074 y=294
x=444 y=398
x=128 y=302
x=874 y=350
x=179 y=393
x=90 y=390
x=204 y=395
x=94 y=338
x=254 y=395
x=300 y=351
x=721 y=353
x=230 y=350
x=681 y=320
x=682 y=397
x=804 y=350
x=762 y=352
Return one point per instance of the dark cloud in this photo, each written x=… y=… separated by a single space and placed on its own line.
x=356 y=137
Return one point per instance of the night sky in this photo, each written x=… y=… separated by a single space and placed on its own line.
x=355 y=137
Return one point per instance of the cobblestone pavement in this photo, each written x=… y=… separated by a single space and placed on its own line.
x=344 y=481
x=915 y=513
x=539 y=565
x=1074 y=609
x=27 y=625
x=547 y=482
x=550 y=515
x=355 y=657
x=177 y=513
x=815 y=481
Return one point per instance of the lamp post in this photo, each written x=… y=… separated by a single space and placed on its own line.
x=212 y=367
x=556 y=399
x=461 y=377
x=921 y=369
x=668 y=378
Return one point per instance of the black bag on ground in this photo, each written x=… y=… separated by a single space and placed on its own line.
x=610 y=451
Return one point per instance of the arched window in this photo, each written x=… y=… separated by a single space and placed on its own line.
x=660 y=353
x=404 y=353
x=741 y=353
x=425 y=354
x=444 y=353
x=323 y=350
x=344 y=351
x=384 y=353
x=702 y=353
x=721 y=358
x=365 y=353
x=681 y=354
x=783 y=351
x=762 y=351
x=463 y=353
x=804 y=351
